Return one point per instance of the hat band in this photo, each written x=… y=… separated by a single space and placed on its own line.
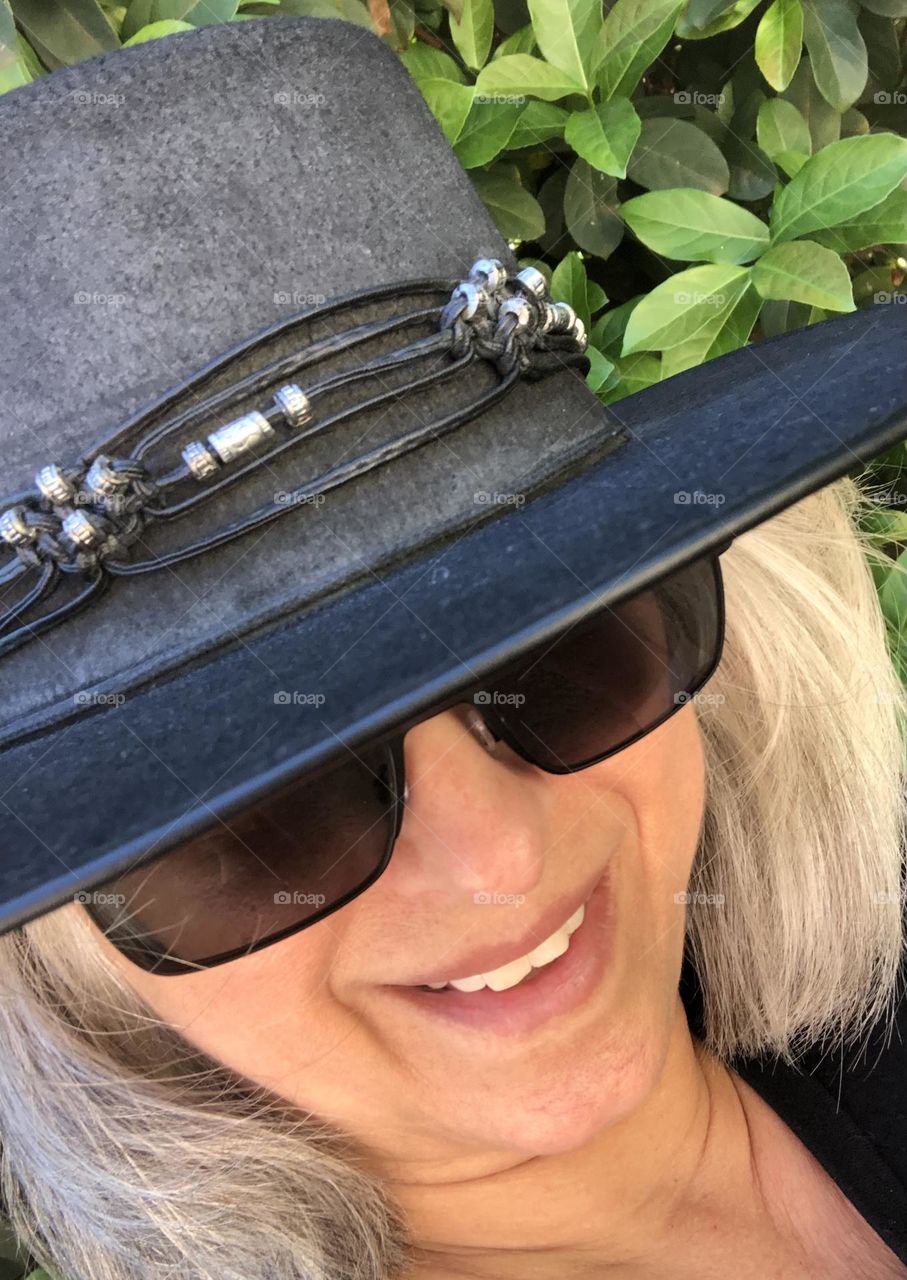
x=71 y=535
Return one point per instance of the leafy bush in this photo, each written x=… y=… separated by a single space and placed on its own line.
x=691 y=175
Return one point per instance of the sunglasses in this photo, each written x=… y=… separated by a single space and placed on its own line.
x=310 y=848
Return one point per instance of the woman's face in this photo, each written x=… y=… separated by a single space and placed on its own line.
x=493 y=858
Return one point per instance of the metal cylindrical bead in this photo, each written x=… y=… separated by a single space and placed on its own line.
x=200 y=460
x=565 y=317
x=518 y=308
x=238 y=437
x=13 y=529
x=81 y=530
x=488 y=273
x=533 y=281
x=294 y=404
x=103 y=480
x=54 y=486
x=578 y=333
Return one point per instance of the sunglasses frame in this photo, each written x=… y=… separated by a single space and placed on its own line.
x=392 y=741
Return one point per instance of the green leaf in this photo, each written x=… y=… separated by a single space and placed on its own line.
x=843 y=180
x=605 y=135
x=884 y=52
x=486 y=132
x=732 y=17
x=804 y=271
x=836 y=50
x=779 y=41
x=425 y=62
x=516 y=212
x=635 y=373
x=791 y=162
x=522 y=41
x=520 y=75
x=197 y=13
x=450 y=104
x=67 y=31
x=602 y=371
x=607 y=333
x=780 y=127
x=884 y=223
x=537 y=122
x=156 y=30
x=684 y=306
x=728 y=330
x=472 y=33
x=674 y=153
x=886 y=8
x=12 y=69
x=590 y=210
x=631 y=38
x=564 y=31
x=824 y=122
x=853 y=123
x=696 y=226
x=569 y=283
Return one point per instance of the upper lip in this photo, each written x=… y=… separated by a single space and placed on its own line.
x=493 y=956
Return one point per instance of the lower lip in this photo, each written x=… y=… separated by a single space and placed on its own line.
x=555 y=989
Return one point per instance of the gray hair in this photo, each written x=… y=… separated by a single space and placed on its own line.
x=127 y=1155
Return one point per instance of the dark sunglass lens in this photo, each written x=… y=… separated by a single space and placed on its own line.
x=259 y=874
x=616 y=675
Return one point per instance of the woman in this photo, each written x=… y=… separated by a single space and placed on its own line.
x=475 y=1060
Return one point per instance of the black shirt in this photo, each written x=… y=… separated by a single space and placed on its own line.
x=848 y=1109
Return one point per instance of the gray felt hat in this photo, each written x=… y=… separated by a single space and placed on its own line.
x=160 y=205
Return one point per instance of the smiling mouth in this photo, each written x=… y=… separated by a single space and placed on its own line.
x=520 y=970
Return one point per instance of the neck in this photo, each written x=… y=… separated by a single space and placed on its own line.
x=608 y=1209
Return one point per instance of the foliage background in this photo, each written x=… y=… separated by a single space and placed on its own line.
x=691 y=175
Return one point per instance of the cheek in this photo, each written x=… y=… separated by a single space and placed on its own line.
x=239 y=1014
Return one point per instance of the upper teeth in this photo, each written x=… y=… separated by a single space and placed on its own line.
x=510 y=974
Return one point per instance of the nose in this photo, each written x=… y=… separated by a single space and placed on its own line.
x=476 y=817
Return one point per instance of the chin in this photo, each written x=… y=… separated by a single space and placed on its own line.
x=563 y=1098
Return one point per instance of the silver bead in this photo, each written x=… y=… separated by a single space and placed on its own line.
x=81 y=530
x=518 y=308
x=564 y=317
x=200 y=460
x=488 y=273
x=54 y=486
x=578 y=334
x=102 y=480
x=294 y=404
x=13 y=529
x=470 y=296
x=533 y=281
x=238 y=437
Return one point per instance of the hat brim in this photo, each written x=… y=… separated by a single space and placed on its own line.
x=132 y=779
